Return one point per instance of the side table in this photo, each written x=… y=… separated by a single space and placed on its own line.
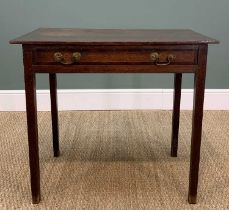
x=53 y=50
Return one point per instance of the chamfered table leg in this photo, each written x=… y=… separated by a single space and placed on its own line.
x=199 y=88
x=54 y=113
x=31 y=110
x=176 y=113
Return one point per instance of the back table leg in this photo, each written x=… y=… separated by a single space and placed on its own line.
x=176 y=113
x=54 y=113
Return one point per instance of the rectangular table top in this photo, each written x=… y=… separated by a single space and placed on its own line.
x=112 y=37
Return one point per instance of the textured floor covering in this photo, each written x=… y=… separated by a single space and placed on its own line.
x=114 y=160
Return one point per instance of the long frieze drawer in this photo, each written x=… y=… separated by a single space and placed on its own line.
x=80 y=55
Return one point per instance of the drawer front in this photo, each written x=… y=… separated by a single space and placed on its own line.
x=114 y=55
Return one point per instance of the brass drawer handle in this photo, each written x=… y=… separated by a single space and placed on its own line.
x=59 y=57
x=155 y=57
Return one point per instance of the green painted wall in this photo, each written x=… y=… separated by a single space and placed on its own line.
x=209 y=17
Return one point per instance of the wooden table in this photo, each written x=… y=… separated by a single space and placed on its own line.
x=53 y=50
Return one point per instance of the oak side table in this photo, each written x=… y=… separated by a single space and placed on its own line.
x=54 y=50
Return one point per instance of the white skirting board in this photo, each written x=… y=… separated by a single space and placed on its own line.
x=114 y=99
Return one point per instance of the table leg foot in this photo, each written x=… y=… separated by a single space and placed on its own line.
x=192 y=199
x=173 y=153
x=36 y=199
x=56 y=153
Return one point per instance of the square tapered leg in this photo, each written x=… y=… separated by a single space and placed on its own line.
x=54 y=113
x=176 y=113
x=31 y=110
x=199 y=87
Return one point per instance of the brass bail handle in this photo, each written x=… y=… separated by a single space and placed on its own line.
x=59 y=57
x=155 y=57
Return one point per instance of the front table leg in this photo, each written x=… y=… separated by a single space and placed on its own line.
x=31 y=110
x=199 y=87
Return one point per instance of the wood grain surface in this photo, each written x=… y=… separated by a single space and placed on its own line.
x=112 y=36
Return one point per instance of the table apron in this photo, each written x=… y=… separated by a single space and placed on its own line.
x=114 y=69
